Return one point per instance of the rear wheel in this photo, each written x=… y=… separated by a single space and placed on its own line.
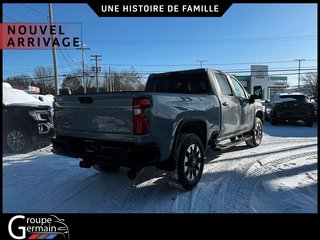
x=256 y=134
x=189 y=160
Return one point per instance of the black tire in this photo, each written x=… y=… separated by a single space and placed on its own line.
x=309 y=123
x=189 y=161
x=233 y=139
x=17 y=140
x=256 y=134
x=105 y=168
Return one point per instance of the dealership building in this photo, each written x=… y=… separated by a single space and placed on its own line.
x=271 y=84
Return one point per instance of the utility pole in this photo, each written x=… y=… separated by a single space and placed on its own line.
x=54 y=54
x=109 y=82
x=201 y=62
x=299 y=69
x=83 y=70
x=96 y=58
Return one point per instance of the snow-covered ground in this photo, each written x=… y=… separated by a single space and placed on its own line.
x=279 y=176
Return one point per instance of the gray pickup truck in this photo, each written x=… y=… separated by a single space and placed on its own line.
x=169 y=125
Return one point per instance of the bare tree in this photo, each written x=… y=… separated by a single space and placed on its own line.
x=89 y=77
x=44 y=79
x=309 y=84
x=125 y=80
x=21 y=81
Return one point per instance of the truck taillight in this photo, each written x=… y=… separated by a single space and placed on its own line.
x=140 y=121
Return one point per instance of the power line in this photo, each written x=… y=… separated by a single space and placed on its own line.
x=205 y=42
x=36 y=11
x=63 y=48
x=208 y=64
x=24 y=70
x=64 y=57
x=277 y=70
x=65 y=74
x=13 y=19
x=201 y=61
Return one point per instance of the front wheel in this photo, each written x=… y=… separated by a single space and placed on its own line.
x=17 y=140
x=189 y=160
x=256 y=134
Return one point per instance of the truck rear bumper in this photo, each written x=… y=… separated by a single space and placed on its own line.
x=107 y=152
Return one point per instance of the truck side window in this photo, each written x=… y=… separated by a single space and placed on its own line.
x=238 y=89
x=224 y=84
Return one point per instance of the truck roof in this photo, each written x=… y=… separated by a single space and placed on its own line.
x=197 y=70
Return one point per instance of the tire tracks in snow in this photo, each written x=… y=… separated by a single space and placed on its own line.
x=130 y=197
x=241 y=184
x=220 y=180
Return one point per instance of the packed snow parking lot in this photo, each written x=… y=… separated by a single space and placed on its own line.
x=279 y=176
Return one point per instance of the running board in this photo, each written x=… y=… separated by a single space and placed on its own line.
x=223 y=147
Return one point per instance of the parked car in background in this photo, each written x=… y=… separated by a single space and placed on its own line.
x=290 y=107
x=26 y=121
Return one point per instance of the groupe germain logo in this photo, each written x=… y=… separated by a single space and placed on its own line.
x=22 y=227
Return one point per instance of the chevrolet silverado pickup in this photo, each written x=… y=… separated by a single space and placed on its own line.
x=170 y=125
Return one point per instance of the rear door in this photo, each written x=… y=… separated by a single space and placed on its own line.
x=230 y=107
x=246 y=109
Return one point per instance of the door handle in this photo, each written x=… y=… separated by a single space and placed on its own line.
x=225 y=104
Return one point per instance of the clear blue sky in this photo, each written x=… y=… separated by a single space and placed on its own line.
x=247 y=33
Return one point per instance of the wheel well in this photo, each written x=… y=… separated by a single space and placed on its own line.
x=20 y=124
x=259 y=114
x=197 y=127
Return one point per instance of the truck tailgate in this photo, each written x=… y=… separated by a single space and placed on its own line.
x=94 y=113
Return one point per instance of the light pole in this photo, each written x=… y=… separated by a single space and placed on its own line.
x=96 y=58
x=83 y=71
x=299 y=60
x=201 y=61
x=54 y=54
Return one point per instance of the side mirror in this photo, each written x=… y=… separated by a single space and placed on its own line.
x=257 y=90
